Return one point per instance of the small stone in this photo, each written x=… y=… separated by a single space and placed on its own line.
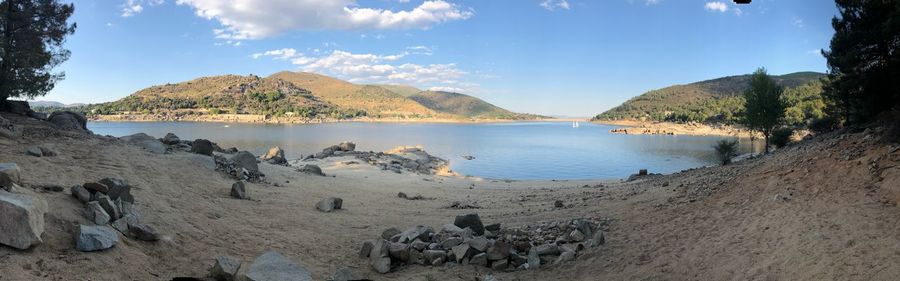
x=121 y=225
x=34 y=151
x=311 y=169
x=143 y=232
x=96 y=187
x=558 y=204
x=366 y=249
x=433 y=255
x=110 y=207
x=598 y=239
x=479 y=243
x=499 y=251
x=399 y=251
x=275 y=155
x=96 y=214
x=422 y=232
x=566 y=257
x=499 y=264
x=416 y=256
x=239 y=191
x=347 y=274
x=225 y=268
x=479 y=259
x=81 y=193
x=452 y=229
x=272 y=266
x=547 y=249
x=576 y=236
x=462 y=251
x=470 y=220
x=534 y=261
x=21 y=220
x=330 y=204
x=420 y=245
x=118 y=189
x=492 y=227
x=390 y=232
x=171 y=139
x=9 y=174
x=451 y=242
x=95 y=238
x=346 y=146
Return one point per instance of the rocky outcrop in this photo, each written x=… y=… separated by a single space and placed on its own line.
x=499 y=249
x=405 y=158
x=95 y=238
x=272 y=266
x=275 y=156
x=202 y=146
x=68 y=120
x=21 y=220
x=146 y=142
x=241 y=166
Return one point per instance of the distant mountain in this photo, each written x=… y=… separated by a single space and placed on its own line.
x=403 y=90
x=716 y=100
x=375 y=100
x=462 y=105
x=46 y=104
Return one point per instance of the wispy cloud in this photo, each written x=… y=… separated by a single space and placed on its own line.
x=798 y=22
x=552 y=5
x=716 y=6
x=134 y=7
x=269 y=18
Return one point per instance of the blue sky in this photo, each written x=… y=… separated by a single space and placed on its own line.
x=558 y=57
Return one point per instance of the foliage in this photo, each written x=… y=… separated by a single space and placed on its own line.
x=31 y=36
x=862 y=61
x=462 y=105
x=782 y=136
x=725 y=150
x=763 y=107
x=825 y=124
x=804 y=104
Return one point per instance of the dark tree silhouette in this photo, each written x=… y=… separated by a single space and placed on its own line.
x=31 y=36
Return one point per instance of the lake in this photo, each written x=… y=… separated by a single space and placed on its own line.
x=520 y=150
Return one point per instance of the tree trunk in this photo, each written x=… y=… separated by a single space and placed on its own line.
x=5 y=67
x=766 y=136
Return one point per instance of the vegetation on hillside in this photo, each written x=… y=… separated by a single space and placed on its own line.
x=403 y=90
x=464 y=105
x=717 y=101
x=763 y=105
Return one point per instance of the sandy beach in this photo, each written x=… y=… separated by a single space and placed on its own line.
x=786 y=216
x=634 y=127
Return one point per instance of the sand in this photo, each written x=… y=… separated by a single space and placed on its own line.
x=822 y=210
x=634 y=127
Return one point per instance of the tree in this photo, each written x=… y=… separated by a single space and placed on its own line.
x=725 y=150
x=763 y=106
x=31 y=36
x=863 y=61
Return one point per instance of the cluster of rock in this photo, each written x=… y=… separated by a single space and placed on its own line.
x=270 y=266
x=404 y=158
x=241 y=166
x=110 y=206
x=468 y=241
x=40 y=151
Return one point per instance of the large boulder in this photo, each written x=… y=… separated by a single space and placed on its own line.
x=311 y=169
x=381 y=256
x=68 y=120
x=16 y=107
x=9 y=175
x=9 y=130
x=245 y=160
x=95 y=238
x=275 y=155
x=272 y=266
x=202 y=146
x=170 y=139
x=81 y=193
x=146 y=142
x=21 y=220
x=225 y=269
x=471 y=221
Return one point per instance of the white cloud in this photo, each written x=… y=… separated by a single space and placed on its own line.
x=419 y=50
x=716 y=6
x=798 y=22
x=652 y=2
x=552 y=5
x=372 y=68
x=134 y=7
x=254 y=19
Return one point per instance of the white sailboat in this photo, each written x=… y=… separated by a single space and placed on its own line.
x=575 y=124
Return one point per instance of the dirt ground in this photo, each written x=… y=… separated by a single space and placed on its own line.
x=824 y=209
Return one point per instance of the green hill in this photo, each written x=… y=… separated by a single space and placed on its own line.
x=403 y=90
x=463 y=105
x=715 y=101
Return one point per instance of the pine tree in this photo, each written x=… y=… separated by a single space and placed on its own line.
x=763 y=108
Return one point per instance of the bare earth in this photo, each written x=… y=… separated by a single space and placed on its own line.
x=821 y=210
x=633 y=127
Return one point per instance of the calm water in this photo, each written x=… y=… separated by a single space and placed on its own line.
x=528 y=150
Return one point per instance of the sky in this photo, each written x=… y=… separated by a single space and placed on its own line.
x=552 y=57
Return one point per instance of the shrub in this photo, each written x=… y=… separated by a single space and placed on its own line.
x=824 y=124
x=725 y=150
x=782 y=136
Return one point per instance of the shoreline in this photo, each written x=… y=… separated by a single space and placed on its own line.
x=259 y=119
x=633 y=127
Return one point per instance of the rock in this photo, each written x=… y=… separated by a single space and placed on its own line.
x=558 y=204
x=479 y=259
x=420 y=245
x=146 y=142
x=642 y=172
x=205 y=147
x=21 y=220
x=566 y=257
x=499 y=251
x=121 y=225
x=380 y=256
x=534 y=260
x=366 y=249
x=479 y=243
x=16 y=107
x=81 y=193
x=111 y=209
x=462 y=251
x=38 y=115
x=34 y=151
x=68 y=120
x=143 y=232
x=432 y=255
x=598 y=239
x=95 y=238
x=499 y=264
x=452 y=229
x=9 y=174
x=471 y=221
x=451 y=242
x=330 y=204
x=239 y=191
x=422 y=232
x=399 y=251
x=96 y=214
x=96 y=187
x=346 y=146
x=547 y=249
x=225 y=268
x=275 y=156
x=170 y=139
x=347 y=273
x=390 y=232
x=311 y=169
x=118 y=189
x=492 y=227
x=244 y=160
x=9 y=130
x=272 y=266
x=576 y=236
x=416 y=256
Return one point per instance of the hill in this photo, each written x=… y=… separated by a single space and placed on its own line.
x=717 y=100
x=46 y=104
x=375 y=100
x=220 y=94
x=461 y=105
x=403 y=90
